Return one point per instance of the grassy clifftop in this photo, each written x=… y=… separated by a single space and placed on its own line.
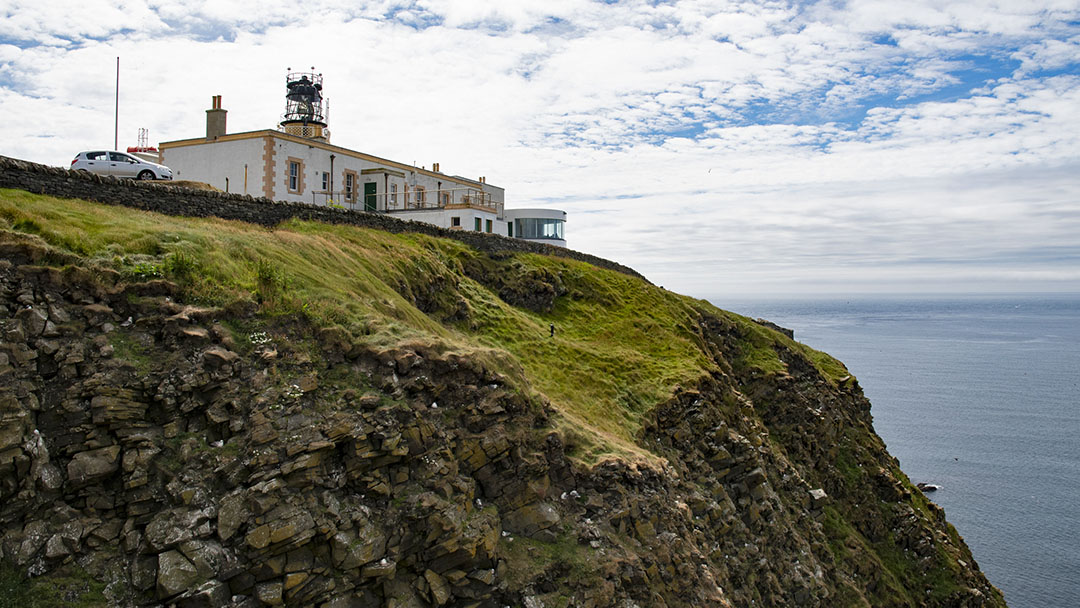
x=621 y=345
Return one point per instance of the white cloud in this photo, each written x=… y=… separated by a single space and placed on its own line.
x=1048 y=55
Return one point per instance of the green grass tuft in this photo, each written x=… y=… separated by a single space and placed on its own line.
x=69 y=585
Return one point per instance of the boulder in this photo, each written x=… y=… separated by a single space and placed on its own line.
x=293 y=579
x=258 y=538
x=216 y=356
x=210 y=594
x=440 y=591
x=531 y=519
x=93 y=465
x=350 y=551
x=197 y=334
x=13 y=422
x=35 y=535
x=208 y=557
x=384 y=568
x=175 y=574
x=33 y=320
x=269 y=593
x=232 y=513
x=96 y=314
x=55 y=547
x=169 y=528
x=755 y=478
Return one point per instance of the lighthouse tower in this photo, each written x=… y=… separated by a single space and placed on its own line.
x=304 y=116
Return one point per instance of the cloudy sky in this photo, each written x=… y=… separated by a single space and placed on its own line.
x=719 y=147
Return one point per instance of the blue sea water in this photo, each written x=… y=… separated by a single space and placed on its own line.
x=981 y=395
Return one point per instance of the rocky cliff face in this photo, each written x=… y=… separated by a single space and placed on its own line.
x=154 y=452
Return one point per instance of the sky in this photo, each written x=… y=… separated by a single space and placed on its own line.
x=721 y=148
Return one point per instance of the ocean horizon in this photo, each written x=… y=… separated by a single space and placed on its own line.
x=976 y=393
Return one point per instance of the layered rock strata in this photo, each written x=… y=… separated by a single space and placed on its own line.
x=165 y=451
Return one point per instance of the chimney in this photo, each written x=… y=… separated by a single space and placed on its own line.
x=215 y=119
x=435 y=167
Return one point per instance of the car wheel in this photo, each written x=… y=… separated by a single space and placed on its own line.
x=146 y=174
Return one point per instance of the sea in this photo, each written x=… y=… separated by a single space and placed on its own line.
x=979 y=394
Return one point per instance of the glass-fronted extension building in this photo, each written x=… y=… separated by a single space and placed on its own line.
x=541 y=225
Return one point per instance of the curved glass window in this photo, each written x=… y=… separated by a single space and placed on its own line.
x=535 y=228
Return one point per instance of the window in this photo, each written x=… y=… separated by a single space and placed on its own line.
x=478 y=224
x=488 y=226
x=455 y=222
x=420 y=195
x=393 y=194
x=294 y=176
x=536 y=228
x=325 y=181
x=350 y=186
x=510 y=228
x=445 y=198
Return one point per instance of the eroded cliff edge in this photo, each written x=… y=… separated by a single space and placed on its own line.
x=172 y=435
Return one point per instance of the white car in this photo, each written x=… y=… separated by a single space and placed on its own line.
x=119 y=164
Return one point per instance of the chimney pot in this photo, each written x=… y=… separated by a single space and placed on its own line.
x=215 y=118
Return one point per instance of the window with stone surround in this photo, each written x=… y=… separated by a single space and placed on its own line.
x=350 y=186
x=294 y=176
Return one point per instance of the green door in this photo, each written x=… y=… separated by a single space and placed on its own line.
x=370 y=188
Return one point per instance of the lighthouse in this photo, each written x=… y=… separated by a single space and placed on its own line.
x=304 y=115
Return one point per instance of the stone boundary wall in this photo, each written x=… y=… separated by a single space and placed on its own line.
x=161 y=197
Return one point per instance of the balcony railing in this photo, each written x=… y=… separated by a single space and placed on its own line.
x=413 y=199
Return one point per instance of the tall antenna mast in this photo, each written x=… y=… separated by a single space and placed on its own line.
x=116 y=118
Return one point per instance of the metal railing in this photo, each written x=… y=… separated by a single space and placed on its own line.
x=412 y=199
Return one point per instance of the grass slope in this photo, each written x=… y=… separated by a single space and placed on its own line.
x=621 y=345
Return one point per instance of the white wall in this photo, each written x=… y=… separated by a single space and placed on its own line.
x=315 y=161
x=442 y=218
x=213 y=163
